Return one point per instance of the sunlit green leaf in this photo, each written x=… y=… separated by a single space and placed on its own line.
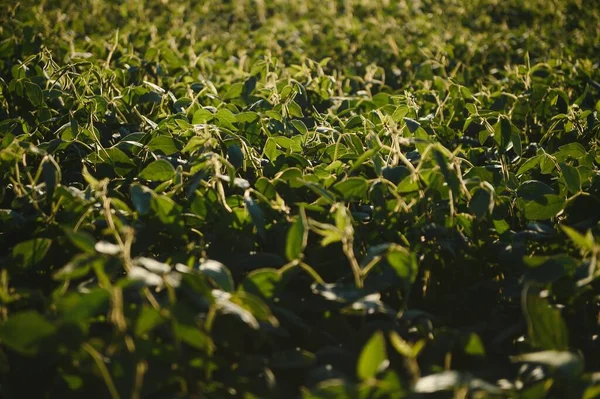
x=160 y=170
x=373 y=357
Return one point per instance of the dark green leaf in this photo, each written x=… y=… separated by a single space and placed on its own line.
x=482 y=203
x=26 y=332
x=148 y=319
x=412 y=124
x=29 y=253
x=34 y=93
x=533 y=189
x=352 y=188
x=140 y=196
x=82 y=240
x=547 y=329
x=502 y=134
x=256 y=214
x=235 y=156
x=544 y=207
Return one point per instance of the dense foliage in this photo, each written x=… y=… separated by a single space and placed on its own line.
x=317 y=199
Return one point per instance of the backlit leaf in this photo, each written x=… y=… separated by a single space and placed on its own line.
x=373 y=357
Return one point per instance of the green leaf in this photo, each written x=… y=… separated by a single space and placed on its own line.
x=300 y=126
x=400 y=112
x=235 y=91
x=395 y=174
x=473 y=345
x=117 y=159
x=192 y=335
x=529 y=164
x=202 y=116
x=447 y=172
x=287 y=143
x=363 y=158
x=164 y=145
x=34 y=94
x=547 y=329
x=270 y=150
x=29 y=253
x=78 y=267
x=318 y=189
x=140 y=196
x=51 y=178
x=72 y=131
x=574 y=150
x=515 y=138
x=571 y=177
x=26 y=332
x=373 y=357
x=412 y=124
x=79 y=308
x=482 y=203
x=254 y=306
x=404 y=265
x=256 y=214
x=218 y=273
x=274 y=114
x=235 y=156
x=547 y=269
x=533 y=189
x=193 y=144
x=547 y=164
x=167 y=210
x=352 y=188
x=228 y=304
x=148 y=319
x=483 y=135
x=502 y=134
x=297 y=237
x=226 y=118
x=246 y=117
x=262 y=282
x=585 y=243
x=544 y=207
x=409 y=184
x=294 y=110
x=292 y=176
x=81 y=240
x=501 y=225
x=160 y=170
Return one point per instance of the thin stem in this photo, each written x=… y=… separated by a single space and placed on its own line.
x=114 y=394
x=348 y=249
